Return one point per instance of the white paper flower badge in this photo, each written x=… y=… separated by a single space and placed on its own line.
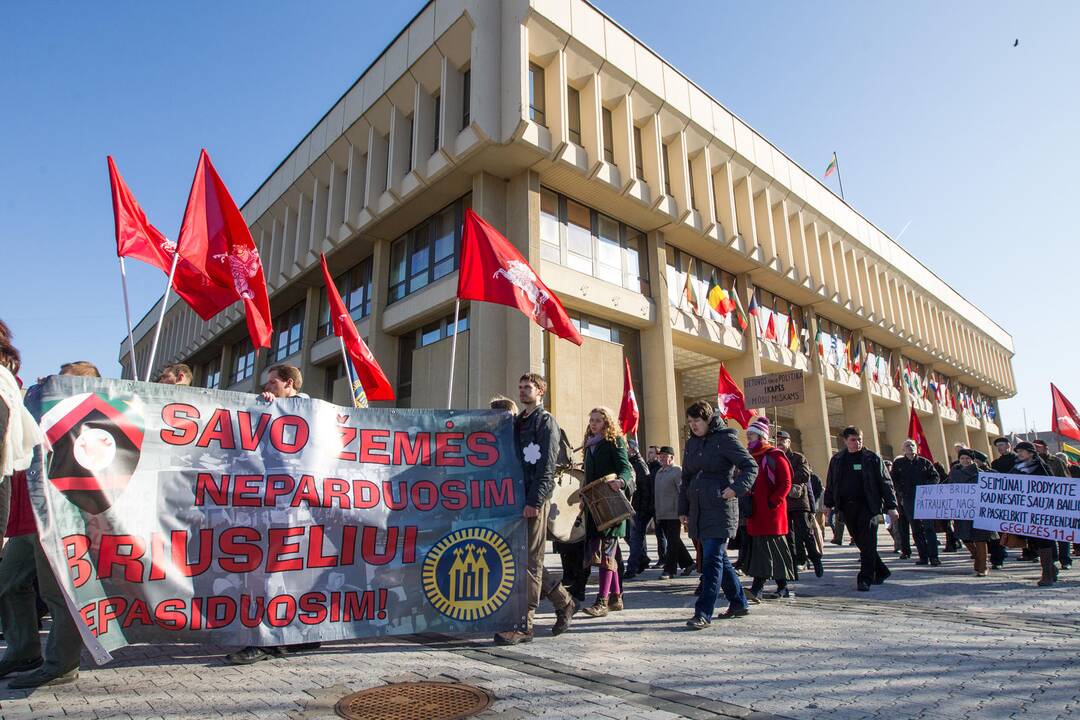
x=531 y=453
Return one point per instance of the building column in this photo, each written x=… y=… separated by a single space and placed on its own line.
x=956 y=433
x=663 y=406
x=897 y=419
x=859 y=411
x=383 y=345
x=812 y=416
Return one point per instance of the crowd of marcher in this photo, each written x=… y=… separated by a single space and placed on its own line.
x=761 y=501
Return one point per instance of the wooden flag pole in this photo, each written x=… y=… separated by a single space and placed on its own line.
x=127 y=314
x=453 y=356
x=161 y=315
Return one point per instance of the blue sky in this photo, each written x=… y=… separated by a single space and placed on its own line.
x=937 y=119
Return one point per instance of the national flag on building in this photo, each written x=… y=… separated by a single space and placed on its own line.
x=915 y=432
x=730 y=401
x=856 y=360
x=215 y=240
x=831 y=167
x=1065 y=420
x=770 y=328
x=718 y=298
x=689 y=294
x=740 y=314
x=820 y=344
x=793 y=335
x=629 y=414
x=373 y=382
x=492 y=270
x=1071 y=453
x=755 y=312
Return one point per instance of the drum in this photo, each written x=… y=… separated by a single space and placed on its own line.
x=566 y=522
x=608 y=507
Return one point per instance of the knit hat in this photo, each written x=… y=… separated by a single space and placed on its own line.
x=760 y=426
x=1025 y=445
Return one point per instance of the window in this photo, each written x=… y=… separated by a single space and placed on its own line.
x=333 y=373
x=289 y=332
x=212 y=374
x=667 y=169
x=536 y=94
x=609 y=147
x=422 y=337
x=578 y=237
x=573 y=114
x=701 y=273
x=355 y=288
x=597 y=329
x=427 y=252
x=466 y=91
x=406 y=346
x=243 y=360
x=639 y=165
x=435 y=130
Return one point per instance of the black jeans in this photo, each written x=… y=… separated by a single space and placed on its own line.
x=904 y=530
x=926 y=541
x=801 y=538
x=575 y=573
x=863 y=528
x=677 y=554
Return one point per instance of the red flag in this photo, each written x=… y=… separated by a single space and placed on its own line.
x=492 y=270
x=371 y=376
x=628 y=411
x=915 y=432
x=770 y=328
x=215 y=240
x=730 y=401
x=1065 y=420
x=135 y=236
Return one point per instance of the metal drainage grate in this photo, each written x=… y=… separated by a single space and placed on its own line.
x=414 y=701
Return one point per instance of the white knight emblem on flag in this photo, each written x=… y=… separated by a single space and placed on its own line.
x=523 y=278
x=243 y=264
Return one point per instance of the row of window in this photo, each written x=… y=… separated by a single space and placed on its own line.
x=583 y=239
x=427 y=252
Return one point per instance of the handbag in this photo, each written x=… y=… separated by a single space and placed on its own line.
x=1016 y=542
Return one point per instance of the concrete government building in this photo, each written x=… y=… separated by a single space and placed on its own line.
x=616 y=177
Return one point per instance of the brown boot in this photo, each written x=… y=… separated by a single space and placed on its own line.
x=981 y=551
x=564 y=616
x=1049 y=572
x=518 y=635
x=615 y=603
x=598 y=608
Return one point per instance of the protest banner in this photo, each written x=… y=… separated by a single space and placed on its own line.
x=186 y=515
x=951 y=501
x=1036 y=506
x=775 y=389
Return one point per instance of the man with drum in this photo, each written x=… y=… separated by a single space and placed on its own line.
x=538 y=444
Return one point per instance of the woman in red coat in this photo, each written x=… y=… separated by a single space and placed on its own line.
x=767 y=525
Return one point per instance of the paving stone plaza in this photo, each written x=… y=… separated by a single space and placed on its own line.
x=930 y=643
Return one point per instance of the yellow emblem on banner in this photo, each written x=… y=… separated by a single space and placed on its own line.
x=469 y=574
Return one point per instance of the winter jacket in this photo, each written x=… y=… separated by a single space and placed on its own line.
x=642 y=483
x=910 y=474
x=965 y=529
x=800 y=500
x=538 y=447
x=1054 y=465
x=666 y=492
x=606 y=458
x=708 y=464
x=1004 y=463
x=877 y=486
x=770 y=514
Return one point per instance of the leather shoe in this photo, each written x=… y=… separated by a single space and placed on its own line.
x=733 y=612
x=882 y=577
x=935 y=562
x=17 y=666
x=564 y=617
x=252 y=654
x=41 y=678
x=862 y=586
x=922 y=561
x=819 y=568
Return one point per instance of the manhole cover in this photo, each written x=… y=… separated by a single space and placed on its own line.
x=414 y=701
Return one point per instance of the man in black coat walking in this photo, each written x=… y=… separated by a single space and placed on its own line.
x=909 y=471
x=859 y=487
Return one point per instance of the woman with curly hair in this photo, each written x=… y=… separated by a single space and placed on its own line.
x=606 y=454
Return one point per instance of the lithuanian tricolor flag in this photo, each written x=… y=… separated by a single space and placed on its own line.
x=831 y=168
x=718 y=297
x=1070 y=452
x=688 y=289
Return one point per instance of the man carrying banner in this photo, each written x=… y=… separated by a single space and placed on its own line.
x=858 y=486
x=909 y=471
x=538 y=442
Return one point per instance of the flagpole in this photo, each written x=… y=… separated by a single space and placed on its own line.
x=348 y=368
x=127 y=314
x=839 y=179
x=161 y=315
x=453 y=356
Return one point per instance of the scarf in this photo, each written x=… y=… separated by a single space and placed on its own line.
x=1026 y=466
x=758 y=450
x=23 y=433
x=592 y=441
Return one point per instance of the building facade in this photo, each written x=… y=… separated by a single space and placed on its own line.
x=626 y=186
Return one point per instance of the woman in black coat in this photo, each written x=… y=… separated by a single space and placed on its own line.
x=966 y=472
x=1028 y=462
x=717 y=471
